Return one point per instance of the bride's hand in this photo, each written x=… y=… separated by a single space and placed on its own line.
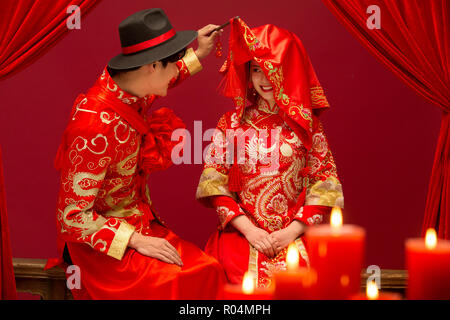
x=257 y=237
x=260 y=239
x=283 y=237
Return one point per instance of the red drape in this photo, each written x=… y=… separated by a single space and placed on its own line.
x=28 y=29
x=412 y=42
x=7 y=280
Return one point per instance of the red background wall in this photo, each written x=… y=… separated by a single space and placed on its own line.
x=382 y=134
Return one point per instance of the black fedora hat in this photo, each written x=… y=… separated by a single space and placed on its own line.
x=147 y=36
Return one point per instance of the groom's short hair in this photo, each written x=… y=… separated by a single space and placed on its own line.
x=172 y=58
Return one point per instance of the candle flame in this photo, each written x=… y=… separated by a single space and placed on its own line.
x=248 y=284
x=336 y=217
x=292 y=257
x=430 y=239
x=372 y=290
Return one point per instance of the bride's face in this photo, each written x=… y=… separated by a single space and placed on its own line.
x=261 y=84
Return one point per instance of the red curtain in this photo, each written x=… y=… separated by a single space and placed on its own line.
x=7 y=281
x=28 y=29
x=412 y=42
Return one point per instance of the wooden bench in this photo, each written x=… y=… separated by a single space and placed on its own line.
x=51 y=284
x=32 y=278
x=391 y=281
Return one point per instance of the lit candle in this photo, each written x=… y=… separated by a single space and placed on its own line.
x=246 y=291
x=295 y=283
x=336 y=252
x=292 y=258
x=428 y=264
x=248 y=284
x=373 y=294
x=372 y=291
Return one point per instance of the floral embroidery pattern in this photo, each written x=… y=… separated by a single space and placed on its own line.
x=252 y=42
x=315 y=219
x=225 y=214
x=279 y=204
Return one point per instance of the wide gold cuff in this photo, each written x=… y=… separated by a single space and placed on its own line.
x=325 y=193
x=120 y=241
x=191 y=61
x=213 y=183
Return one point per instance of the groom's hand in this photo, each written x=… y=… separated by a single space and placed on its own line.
x=206 y=40
x=155 y=247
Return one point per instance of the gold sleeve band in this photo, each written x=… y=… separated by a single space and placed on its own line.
x=213 y=183
x=120 y=241
x=325 y=193
x=192 y=62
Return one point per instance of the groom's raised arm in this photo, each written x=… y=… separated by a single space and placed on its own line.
x=190 y=63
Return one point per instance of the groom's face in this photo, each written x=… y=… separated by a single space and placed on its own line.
x=159 y=77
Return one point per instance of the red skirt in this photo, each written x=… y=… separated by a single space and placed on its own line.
x=237 y=256
x=140 y=277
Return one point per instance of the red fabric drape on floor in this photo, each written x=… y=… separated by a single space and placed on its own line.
x=413 y=43
x=28 y=29
x=7 y=280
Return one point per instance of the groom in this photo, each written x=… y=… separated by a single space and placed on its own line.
x=107 y=225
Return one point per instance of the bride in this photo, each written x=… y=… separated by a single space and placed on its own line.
x=263 y=207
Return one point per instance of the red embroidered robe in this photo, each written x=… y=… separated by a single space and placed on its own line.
x=105 y=161
x=303 y=187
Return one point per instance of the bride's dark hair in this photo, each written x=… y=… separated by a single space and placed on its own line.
x=250 y=91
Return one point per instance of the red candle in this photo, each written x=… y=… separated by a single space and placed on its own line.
x=381 y=296
x=246 y=291
x=294 y=283
x=373 y=294
x=336 y=252
x=428 y=264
